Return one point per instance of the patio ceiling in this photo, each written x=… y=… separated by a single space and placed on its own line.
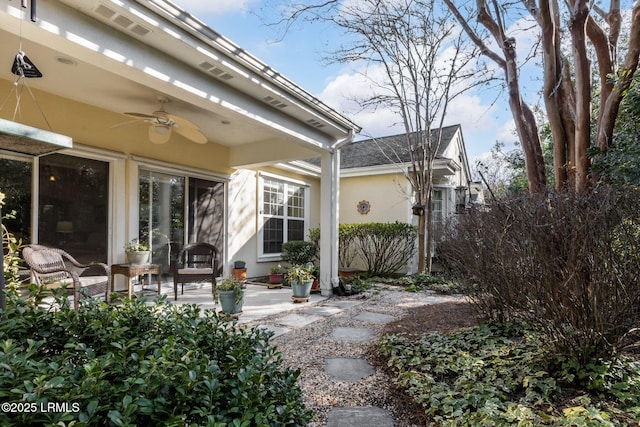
x=96 y=61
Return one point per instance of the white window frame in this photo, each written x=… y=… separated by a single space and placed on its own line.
x=262 y=256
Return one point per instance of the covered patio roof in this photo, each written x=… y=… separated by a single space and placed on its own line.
x=120 y=56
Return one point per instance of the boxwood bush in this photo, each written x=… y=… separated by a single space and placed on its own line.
x=141 y=364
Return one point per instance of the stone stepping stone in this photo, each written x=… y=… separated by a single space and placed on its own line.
x=277 y=330
x=345 y=369
x=321 y=310
x=343 y=303
x=352 y=334
x=371 y=317
x=296 y=320
x=359 y=416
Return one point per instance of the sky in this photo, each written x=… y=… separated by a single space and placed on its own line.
x=484 y=115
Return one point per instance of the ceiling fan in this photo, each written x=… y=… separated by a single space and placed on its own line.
x=162 y=124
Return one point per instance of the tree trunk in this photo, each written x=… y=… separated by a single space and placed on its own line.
x=522 y=114
x=579 y=13
x=421 y=242
x=554 y=96
x=611 y=105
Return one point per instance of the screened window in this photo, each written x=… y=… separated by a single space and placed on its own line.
x=283 y=214
x=437 y=203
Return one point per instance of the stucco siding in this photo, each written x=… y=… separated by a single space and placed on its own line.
x=386 y=194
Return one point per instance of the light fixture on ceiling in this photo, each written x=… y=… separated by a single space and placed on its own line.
x=66 y=61
x=159 y=133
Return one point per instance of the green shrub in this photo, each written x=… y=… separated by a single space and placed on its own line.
x=299 y=252
x=385 y=247
x=142 y=364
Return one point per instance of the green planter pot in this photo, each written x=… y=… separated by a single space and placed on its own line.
x=301 y=290
x=228 y=302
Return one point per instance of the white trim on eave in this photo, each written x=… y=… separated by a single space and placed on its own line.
x=234 y=53
x=442 y=167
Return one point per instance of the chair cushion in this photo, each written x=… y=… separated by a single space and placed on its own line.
x=199 y=271
x=92 y=280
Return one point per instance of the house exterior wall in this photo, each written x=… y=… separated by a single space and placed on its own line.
x=127 y=148
x=243 y=218
x=388 y=195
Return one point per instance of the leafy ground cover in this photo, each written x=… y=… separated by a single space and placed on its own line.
x=460 y=371
x=141 y=364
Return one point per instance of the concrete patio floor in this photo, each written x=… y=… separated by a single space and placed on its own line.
x=259 y=300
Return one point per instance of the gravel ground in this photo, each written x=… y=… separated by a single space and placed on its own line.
x=307 y=348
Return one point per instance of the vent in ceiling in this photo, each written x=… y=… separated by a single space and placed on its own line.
x=217 y=72
x=121 y=20
x=315 y=123
x=275 y=102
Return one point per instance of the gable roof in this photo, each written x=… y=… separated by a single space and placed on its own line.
x=386 y=150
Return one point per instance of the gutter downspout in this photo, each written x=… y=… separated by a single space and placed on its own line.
x=329 y=214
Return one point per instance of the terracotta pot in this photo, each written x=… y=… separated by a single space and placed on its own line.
x=240 y=273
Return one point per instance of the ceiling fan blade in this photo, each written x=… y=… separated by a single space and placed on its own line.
x=140 y=115
x=129 y=123
x=182 y=122
x=159 y=134
x=193 y=134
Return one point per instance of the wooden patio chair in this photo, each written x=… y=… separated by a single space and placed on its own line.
x=54 y=268
x=197 y=262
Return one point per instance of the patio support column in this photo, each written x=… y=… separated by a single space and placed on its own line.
x=329 y=196
x=329 y=215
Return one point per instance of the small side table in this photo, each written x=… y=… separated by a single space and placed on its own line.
x=131 y=270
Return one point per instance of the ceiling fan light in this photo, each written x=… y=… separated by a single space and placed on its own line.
x=159 y=134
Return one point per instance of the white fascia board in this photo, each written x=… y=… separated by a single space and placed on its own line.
x=239 y=59
x=441 y=167
x=392 y=169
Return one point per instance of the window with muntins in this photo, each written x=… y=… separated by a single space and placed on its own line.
x=283 y=214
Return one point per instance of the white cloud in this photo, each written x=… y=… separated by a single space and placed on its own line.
x=482 y=123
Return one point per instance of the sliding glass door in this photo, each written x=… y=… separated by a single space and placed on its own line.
x=167 y=223
x=73 y=202
x=161 y=214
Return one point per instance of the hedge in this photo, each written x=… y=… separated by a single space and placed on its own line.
x=141 y=364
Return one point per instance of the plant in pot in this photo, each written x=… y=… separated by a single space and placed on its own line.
x=300 y=279
x=315 y=272
x=275 y=277
x=240 y=270
x=136 y=252
x=229 y=292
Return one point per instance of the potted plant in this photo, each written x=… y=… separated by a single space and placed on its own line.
x=240 y=270
x=315 y=272
x=229 y=292
x=275 y=277
x=136 y=252
x=301 y=279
